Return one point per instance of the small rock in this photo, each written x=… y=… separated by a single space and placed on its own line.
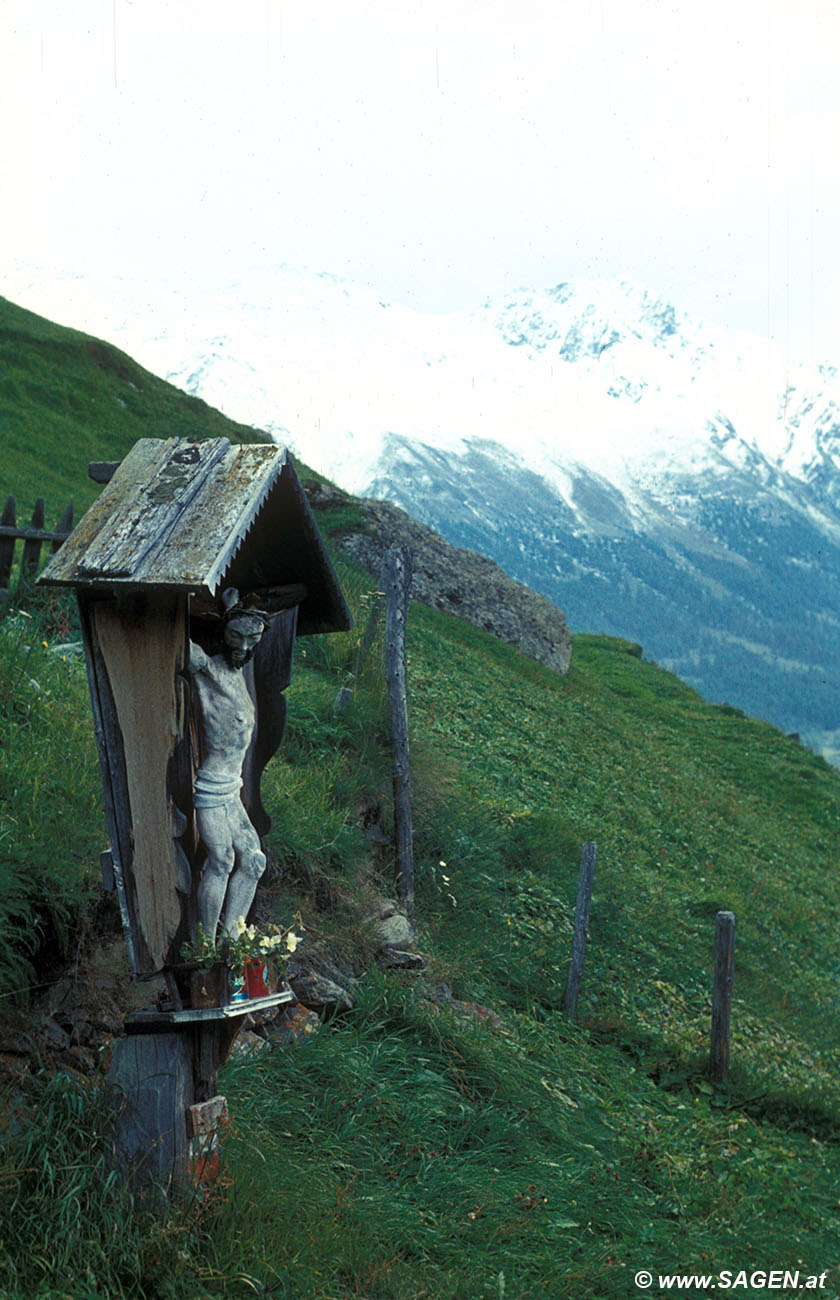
x=294 y=1025
x=11 y=1063
x=56 y=1039
x=247 y=1043
x=65 y=995
x=324 y=495
x=395 y=931
x=399 y=959
x=319 y=993
x=384 y=908
x=18 y=1046
x=84 y=1058
x=107 y=1019
x=80 y=1031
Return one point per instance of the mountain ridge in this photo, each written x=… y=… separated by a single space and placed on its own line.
x=656 y=477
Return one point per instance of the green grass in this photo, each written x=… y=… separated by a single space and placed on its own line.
x=67 y=399
x=51 y=813
x=407 y=1152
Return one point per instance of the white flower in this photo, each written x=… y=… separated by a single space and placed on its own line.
x=292 y=941
x=239 y=926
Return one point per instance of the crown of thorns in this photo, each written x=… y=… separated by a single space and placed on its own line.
x=232 y=608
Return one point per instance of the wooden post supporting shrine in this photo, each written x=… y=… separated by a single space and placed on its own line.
x=150 y=1089
x=396 y=580
x=586 y=878
x=722 y=994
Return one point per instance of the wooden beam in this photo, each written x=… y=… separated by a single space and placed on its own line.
x=102 y=471
x=33 y=534
x=142 y=641
x=114 y=782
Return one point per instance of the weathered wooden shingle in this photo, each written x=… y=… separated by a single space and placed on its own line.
x=193 y=515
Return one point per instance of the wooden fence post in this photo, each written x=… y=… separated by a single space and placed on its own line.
x=64 y=527
x=584 y=899
x=33 y=537
x=8 y=521
x=722 y=993
x=32 y=545
x=396 y=579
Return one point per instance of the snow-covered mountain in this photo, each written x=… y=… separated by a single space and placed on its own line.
x=659 y=478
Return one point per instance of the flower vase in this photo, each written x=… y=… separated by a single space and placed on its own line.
x=237 y=986
x=256 y=979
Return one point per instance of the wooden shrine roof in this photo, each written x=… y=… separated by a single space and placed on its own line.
x=196 y=515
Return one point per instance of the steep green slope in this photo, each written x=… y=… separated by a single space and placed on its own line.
x=414 y=1149
x=67 y=399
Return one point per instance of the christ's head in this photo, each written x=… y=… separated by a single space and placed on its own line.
x=241 y=635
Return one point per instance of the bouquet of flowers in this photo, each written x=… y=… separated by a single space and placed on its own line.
x=246 y=952
x=247 y=946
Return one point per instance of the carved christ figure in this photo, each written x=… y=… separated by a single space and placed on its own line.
x=235 y=860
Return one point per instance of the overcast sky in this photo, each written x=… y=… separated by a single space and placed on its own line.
x=438 y=150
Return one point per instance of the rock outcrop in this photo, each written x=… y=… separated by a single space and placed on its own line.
x=458 y=581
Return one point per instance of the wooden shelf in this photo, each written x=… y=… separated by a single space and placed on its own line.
x=140 y=1022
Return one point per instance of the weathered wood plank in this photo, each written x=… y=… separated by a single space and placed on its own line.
x=242 y=521
x=150 y=1086
x=267 y=676
x=586 y=877
x=396 y=581
x=66 y=565
x=142 y=640
x=33 y=534
x=106 y=866
x=722 y=994
x=270 y=600
x=114 y=785
x=238 y=487
x=7 y=543
x=158 y=483
x=32 y=545
x=212 y=1043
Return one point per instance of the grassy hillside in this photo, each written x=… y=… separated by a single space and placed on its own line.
x=67 y=399
x=412 y=1150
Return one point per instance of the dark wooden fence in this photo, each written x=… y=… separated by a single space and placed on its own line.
x=33 y=538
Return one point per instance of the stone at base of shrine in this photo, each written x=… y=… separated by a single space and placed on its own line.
x=207 y=1124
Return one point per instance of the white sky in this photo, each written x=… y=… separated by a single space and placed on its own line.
x=438 y=150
